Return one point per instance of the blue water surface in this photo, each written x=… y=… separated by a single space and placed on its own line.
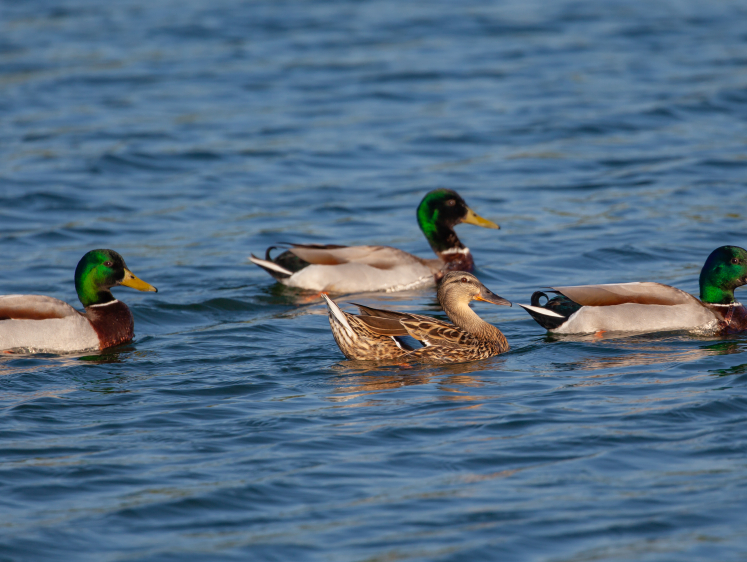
x=609 y=140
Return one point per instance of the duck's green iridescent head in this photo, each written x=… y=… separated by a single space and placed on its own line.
x=724 y=270
x=439 y=212
x=100 y=270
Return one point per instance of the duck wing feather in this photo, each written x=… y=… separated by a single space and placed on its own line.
x=379 y=312
x=383 y=326
x=34 y=307
x=433 y=332
x=626 y=293
x=380 y=257
x=430 y=331
x=382 y=322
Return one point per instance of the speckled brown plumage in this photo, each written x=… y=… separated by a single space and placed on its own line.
x=451 y=344
x=373 y=335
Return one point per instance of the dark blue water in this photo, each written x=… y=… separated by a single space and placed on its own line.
x=609 y=140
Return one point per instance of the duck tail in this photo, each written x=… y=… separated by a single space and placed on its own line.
x=536 y=296
x=336 y=313
x=277 y=271
x=548 y=319
x=555 y=311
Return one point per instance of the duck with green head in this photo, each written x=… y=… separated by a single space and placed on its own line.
x=40 y=323
x=350 y=269
x=651 y=307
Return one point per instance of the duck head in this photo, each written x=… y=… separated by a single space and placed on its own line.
x=724 y=270
x=100 y=270
x=439 y=212
x=458 y=288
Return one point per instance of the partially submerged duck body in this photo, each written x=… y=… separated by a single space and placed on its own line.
x=350 y=269
x=40 y=323
x=375 y=334
x=44 y=324
x=651 y=307
x=355 y=269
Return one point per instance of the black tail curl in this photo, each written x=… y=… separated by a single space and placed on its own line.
x=559 y=304
x=536 y=296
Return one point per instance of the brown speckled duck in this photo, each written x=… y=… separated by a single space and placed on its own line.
x=373 y=335
x=38 y=323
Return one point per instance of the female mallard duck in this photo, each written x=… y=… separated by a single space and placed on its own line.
x=40 y=323
x=651 y=307
x=373 y=334
x=354 y=269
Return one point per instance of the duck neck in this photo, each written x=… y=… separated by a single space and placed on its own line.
x=91 y=285
x=90 y=295
x=446 y=245
x=714 y=295
x=715 y=291
x=440 y=235
x=466 y=318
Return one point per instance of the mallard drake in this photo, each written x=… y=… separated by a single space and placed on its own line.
x=651 y=307
x=40 y=323
x=354 y=269
x=373 y=335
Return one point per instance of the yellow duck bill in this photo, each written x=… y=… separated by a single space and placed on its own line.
x=134 y=282
x=477 y=220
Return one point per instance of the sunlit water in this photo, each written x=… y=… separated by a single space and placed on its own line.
x=609 y=141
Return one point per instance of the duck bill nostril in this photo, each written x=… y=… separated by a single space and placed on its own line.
x=488 y=296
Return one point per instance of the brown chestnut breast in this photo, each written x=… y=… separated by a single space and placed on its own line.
x=112 y=322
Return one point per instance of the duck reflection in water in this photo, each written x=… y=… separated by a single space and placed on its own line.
x=643 y=351
x=458 y=380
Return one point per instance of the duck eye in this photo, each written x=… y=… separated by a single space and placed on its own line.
x=734 y=260
x=108 y=263
x=451 y=202
x=465 y=280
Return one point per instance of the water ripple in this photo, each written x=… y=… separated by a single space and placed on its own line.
x=607 y=140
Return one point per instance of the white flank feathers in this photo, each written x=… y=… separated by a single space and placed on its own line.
x=64 y=331
x=54 y=335
x=359 y=278
x=631 y=317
